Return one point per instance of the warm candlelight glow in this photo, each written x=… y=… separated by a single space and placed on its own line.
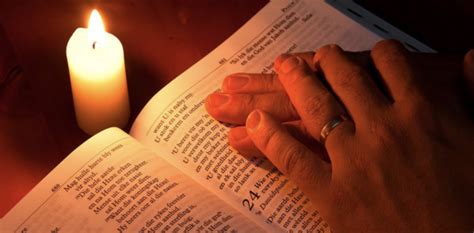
x=96 y=29
x=98 y=80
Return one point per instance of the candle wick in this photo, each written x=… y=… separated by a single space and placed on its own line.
x=93 y=44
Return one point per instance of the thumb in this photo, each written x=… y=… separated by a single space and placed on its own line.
x=289 y=155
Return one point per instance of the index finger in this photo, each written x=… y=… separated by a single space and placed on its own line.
x=259 y=83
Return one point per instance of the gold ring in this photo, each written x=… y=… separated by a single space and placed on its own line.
x=332 y=124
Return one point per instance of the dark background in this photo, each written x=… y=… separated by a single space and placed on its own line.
x=161 y=39
x=446 y=26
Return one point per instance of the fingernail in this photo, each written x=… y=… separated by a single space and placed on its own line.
x=280 y=59
x=238 y=134
x=289 y=64
x=253 y=120
x=236 y=82
x=217 y=99
x=321 y=52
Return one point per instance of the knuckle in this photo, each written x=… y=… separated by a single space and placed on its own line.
x=299 y=78
x=246 y=102
x=280 y=105
x=416 y=103
x=325 y=52
x=328 y=48
x=387 y=133
x=346 y=78
x=274 y=81
x=291 y=158
x=301 y=72
x=266 y=82
x=384 y=133
x=321 y=51
x=389 y=51
x=314 y=106
x=385 y=46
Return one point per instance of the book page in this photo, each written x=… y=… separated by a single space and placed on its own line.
x=176 y=122
x=112 y=183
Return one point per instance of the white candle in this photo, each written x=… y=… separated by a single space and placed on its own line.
x=97 y=72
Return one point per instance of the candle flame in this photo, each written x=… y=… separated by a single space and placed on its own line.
x=96 y=33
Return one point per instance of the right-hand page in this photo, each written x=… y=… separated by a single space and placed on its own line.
x=176 y=124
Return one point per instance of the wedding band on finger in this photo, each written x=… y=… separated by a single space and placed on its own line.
x=330 y=125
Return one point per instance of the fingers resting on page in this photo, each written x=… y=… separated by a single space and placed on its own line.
x=351 y=129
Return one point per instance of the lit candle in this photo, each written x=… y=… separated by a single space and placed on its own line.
x=97 y=71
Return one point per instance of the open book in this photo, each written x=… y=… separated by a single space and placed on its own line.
x=175 y=170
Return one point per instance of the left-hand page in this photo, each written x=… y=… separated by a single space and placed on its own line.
x=113 y=183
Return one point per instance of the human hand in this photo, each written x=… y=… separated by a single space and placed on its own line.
x=403 y=163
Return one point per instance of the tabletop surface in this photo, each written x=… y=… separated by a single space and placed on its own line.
x=161 y=39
